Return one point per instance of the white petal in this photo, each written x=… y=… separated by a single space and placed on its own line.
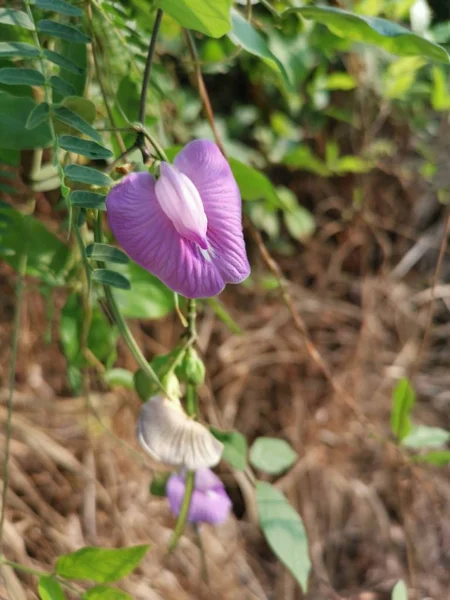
x=166 y=432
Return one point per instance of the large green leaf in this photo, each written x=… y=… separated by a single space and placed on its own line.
x=15 y=76
x=149 y=299
x=47 y=256
x=211 y=17
x=59 y=6
x=49 y=588
x=271 y=455
x=253 y=185
x=102 y=565
x=403 y=399
x=245 y=35
x=372 y=30
x=8 y=49
x=284 y=531
x=16 y=18
x=64 y=32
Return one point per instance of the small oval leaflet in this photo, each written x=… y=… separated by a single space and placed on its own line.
x=87 y=200
x=63 y=62
x=59 y=6
x=87 y=175
x=69 y=117
x=84 y=147
x=8 y=49
x=271 y=455
x=38 y=115
x=107 y=253
x=107 y=277
x=49 y=588
x=14 y=76
x=17 y=18
x=61 y=86
x=64 y=32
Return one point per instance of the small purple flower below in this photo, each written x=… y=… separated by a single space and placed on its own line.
x=210 y=502
x=185 y=227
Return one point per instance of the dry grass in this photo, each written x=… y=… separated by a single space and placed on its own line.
x=77 y=476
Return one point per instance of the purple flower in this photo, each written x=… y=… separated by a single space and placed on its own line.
x=210 y=502
x=186 y=227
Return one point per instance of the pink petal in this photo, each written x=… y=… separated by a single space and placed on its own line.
x=149 y=237
x=206 y=167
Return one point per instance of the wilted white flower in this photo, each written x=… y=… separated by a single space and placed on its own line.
x=166 y=432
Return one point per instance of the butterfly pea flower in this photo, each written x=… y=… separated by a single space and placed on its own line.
x=209 y=503
x=186 y=226
x=168 y=435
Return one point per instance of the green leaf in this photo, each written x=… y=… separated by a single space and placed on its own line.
x=300 y=223
x=63 y=62
x=373 y=30
x=107 y=277
x=284 y=531
x=22 y=49
x=150 y=299
x=253 y=185
x=423 y=436
x=17 y=18
x=38 y=115
x=49 y=588
x=84 y=147
x=82 y=107
x=64 y=32
x=271 y=455
x=61 y=86
x=48 y=258
x=71 y=118
x=302 y=157
x=439 y=458
x=243 y=34
x=400 y=591
x=59 y=6
x=8 y=189
x=103 y=592
x=106 y=253
x=76 y=54
x=87 y=175
x=159 y=484
x=85 y=199
x=235 y=447
x=211 y=17
x=120 y=377
x=224 y=315
x=15 y=76
x=102 y=565
x=403 y=399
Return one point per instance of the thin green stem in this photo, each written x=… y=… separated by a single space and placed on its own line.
x=148 y=65
x=203 y=565
x=12 y=376
x=271 y=9
x=122 y=326
x=184 y=511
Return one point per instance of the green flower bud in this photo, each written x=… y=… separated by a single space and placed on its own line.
x=192 y=367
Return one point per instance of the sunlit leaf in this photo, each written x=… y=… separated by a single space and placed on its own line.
x=15 y=76
x=439 y=458
x=84 y=147
x=271 y=455
x=372 y=30
x=87 y=175
x=65 y=32
x=49 y=588
x=403 y=399
x=8 y=49
x=423 y=436
x=17 y=18
x=284 y=531
x=38 y=115
x=102 y=565
x=103 y=592
x=211 y=17
x=63 y=62
x=107 y=277
x=400 y=591
x=253 y=185
x=245 y=35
